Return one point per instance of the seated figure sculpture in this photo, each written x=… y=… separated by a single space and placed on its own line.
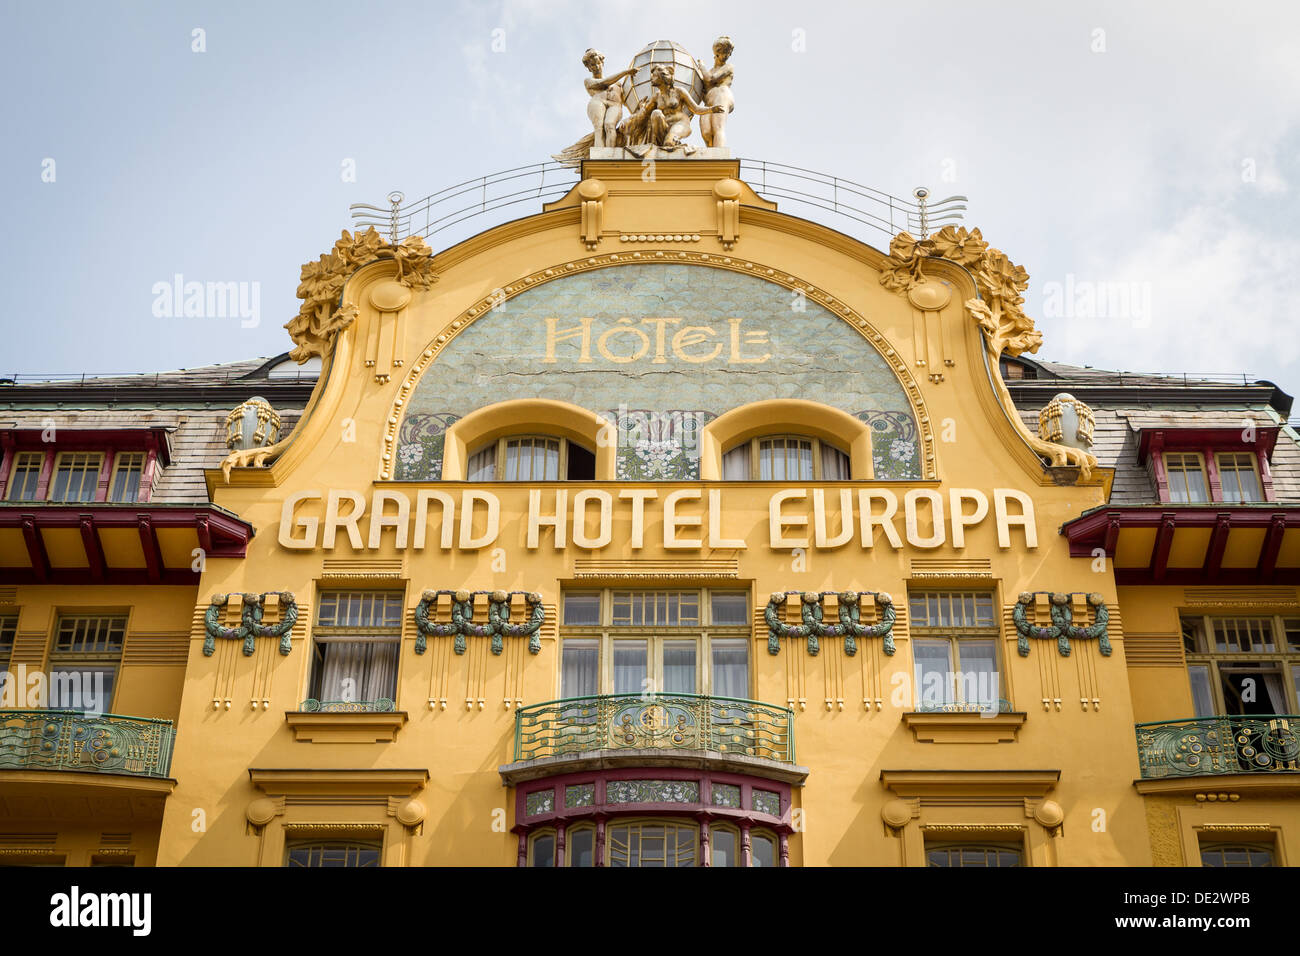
x=663 y=118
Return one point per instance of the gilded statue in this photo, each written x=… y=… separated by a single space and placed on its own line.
x=605 y=108
x=663 y=118
x=717 y=92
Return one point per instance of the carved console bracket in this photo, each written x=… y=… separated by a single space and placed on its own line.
x=1063 y=627
x=593 y=193
x=249 y=608
x=497 y=627
x=812 y=628
x=727 y=193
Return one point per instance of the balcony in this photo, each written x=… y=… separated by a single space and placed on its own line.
x=1256 y=744
x=666 y=730
x=68 y=740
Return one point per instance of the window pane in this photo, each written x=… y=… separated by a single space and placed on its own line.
x=1202 y=695
x=978 y=678
x=723 y=848
x=25 y=475
x=1240 y=855
x=356 y=672
x=730 y=608
x=580 y=675
x=679 y=667
x=933 y=673
x=532 y=459
x=762 y=850
x=736 y=464
x=544 y=850
x=629 y=667
x=972 y=856
x=835 y=464
x=582 y=845
x=126 y=477
x=582 y=609
x=85 y=689
x=332 y=853
x=482 y=464
x=730 y=668
x=90 y=635
x=75 y=477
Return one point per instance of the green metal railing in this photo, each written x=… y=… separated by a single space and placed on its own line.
x=381 y=706
x=1202 y=746
x=71 y=740
x=721 y=725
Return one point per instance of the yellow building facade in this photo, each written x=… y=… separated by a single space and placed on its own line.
x=656 y=527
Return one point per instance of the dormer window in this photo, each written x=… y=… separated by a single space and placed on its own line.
x=531 y=458
x=785 y=458
x=1238 y=478
x=1186 y=475
x=81 y=465
x=76 y=475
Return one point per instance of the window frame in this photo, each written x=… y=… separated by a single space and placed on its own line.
x=295 y=842
x=1208 y=844
x=19 y=454
x=607 y=634
x=1286 y=659
x=755 y=456
x=677 y=824
x=1219 y=456
x=354 y=633
x=499 y=465
x=59 y=456
x=954 y=636
x=993 y=846
x=116 y=476
x=1200 y=466
x=71 y=660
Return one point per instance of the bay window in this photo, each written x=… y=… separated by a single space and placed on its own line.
x=1243 y=665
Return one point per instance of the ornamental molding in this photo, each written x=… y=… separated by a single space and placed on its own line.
x=324 y=314
x=997 y=310
x=486 y=304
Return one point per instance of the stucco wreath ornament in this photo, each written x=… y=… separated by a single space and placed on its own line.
x=813 y=628
x=1063 y=628
x=462 y=624
x=997 y=311
x=250 y=624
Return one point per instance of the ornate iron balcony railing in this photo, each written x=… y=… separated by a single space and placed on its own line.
x=71 y=740
x=1258 y=743
x=721 y=725
x=381 y=706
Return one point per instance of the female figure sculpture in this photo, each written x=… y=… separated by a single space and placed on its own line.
x=605 y=108
x=663 y=118
x=717 y=92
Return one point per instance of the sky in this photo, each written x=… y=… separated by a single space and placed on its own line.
x=1140 y=160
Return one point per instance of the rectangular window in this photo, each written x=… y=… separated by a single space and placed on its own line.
x=1242 y=665
x=1238 y=478
x=127 y=473
x=955 y=651
x=1186 y=477
x=25 y=475
x=532 y=459
x=681 y=641
x=357 y=640
x=76 y=475
x=84 y=660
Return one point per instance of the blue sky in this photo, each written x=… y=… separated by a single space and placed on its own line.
x=1147 y=148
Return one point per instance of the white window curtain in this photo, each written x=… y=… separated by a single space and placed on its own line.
x=835 y=464
x=482 y=464
x=629 y=667
x=359 y=670
x=1276 y=693
x=580 y=676
x=731 y=668
x=679 y=667
x=735 y=464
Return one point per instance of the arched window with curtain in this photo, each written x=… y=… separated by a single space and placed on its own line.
x=531 y=458
x=785 y=458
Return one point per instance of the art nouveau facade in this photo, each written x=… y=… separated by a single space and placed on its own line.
x=657 y=527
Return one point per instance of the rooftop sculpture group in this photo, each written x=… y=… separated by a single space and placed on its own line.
x=659 y=120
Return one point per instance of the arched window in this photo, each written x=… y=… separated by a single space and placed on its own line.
x=724 y=846
x=762 y=849
x=531 y=458
x=785 y=458
x=315 y=852
x=1236 y=854
x=580 y=844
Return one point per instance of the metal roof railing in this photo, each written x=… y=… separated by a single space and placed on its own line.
x=497 y=194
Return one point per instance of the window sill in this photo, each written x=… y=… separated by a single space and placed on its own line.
x=964 y=728
x=345 y=728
